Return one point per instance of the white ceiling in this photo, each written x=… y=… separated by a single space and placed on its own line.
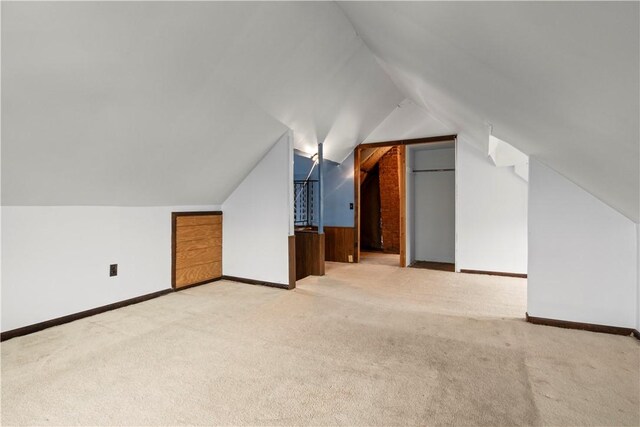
x=558 y=80
x=173 y=103
x=407 y=121
x=166 y=103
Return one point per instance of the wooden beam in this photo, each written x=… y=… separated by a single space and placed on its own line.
x=431 y=139
x=363 y=176
x=372 y=160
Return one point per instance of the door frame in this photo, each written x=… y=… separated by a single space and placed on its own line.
x=402 y=181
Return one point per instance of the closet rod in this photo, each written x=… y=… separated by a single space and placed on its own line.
x=434 y=170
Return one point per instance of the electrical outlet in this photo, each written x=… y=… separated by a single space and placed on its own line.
x=113 y=270
x=351 y=206
x=350 y=258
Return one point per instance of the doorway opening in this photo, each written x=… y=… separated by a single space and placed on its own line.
x=431 y=187
x=387 y=206
x=380 y=201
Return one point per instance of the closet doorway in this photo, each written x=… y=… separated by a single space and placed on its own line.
x=431 y=186
x=384 y=206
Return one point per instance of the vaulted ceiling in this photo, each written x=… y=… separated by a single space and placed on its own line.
x=557 y=80
x=166 y=103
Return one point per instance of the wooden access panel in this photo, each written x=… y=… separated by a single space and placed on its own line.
x=196 y=248
x=339 y=244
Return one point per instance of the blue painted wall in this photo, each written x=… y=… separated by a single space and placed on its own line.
x=301 y=168
x=338 y=188
x=338 y=193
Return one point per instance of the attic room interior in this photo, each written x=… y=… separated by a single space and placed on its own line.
x=320 y=213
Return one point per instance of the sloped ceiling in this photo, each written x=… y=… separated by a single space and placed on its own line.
x=173 y=103
x=559 y=81
x=168 y=103
x=408 y=121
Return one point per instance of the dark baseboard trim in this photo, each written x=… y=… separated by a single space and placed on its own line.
x=591 y=327
x=25 y=330
x=255 y=282
x=494 y=273
x=193 y=285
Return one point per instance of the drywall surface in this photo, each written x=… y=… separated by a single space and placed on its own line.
x=338 y=188
x=491 y=208
x=538 y=77
x=407 y=121
x=56 y=259
x=338 y=193
x=434 y=203
x=174 y=102
x=582 y=254
x=304 y=168
x=257 y=217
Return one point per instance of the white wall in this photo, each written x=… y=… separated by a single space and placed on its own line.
x=638 y=277
x=582 y=254
x=491 y=210
x=257 y=219
x=56 y=259
x=409 y=208
x=433 y=215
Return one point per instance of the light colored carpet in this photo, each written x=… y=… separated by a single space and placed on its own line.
x=364 y=345
x=380 y=258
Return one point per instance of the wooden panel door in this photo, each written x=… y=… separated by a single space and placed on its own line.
x=196 y=248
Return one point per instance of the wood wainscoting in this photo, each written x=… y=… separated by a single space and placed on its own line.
x=339 y=244
x=196 y=248
x=309 y=248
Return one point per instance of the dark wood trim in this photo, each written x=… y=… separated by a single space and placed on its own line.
x=76 y=316
x=37 y=327
x=433 y=265
x=196 y=213
x=25 y=330
x=309 y=254
x=402 y=184
x=193 y=285
x=591 y=327
x=356 y=184
x=428 y=140
x=255 y=282
x=174 y=220
x=292 y=261
x=356 y=204
x=494 y=273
